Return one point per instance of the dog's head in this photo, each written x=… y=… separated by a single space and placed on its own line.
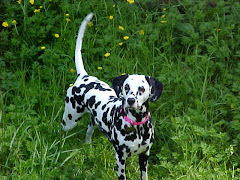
x=137 y=89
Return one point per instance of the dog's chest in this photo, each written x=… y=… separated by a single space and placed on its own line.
x=133 y=139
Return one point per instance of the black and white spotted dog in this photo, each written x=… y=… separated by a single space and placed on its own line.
x=120 y=113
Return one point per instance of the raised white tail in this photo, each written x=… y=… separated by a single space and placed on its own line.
x=78 y=55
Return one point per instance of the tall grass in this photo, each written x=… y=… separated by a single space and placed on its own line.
x=191 y=46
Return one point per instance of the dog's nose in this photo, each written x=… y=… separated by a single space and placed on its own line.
x=131 y=101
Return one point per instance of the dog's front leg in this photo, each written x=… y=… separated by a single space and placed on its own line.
x=143 y=162
x=120 y=167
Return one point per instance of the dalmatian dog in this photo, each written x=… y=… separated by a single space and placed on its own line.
x=120 y=113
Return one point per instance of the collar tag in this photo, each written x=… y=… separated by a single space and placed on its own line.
x=130 y=129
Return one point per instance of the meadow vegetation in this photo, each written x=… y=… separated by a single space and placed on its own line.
x=191 y=47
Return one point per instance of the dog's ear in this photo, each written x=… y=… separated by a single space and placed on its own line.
x=117 y=83
x=156 y=88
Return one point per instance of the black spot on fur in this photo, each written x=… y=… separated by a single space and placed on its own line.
x=73 y=102
x=78 y=119
x=69 y=116
x=91 y=101
x=97 y=104
x=103 y=107
x=63 y=122
x=80 y=109
x=94 y=113
x=67 y=99
x=86 y=76
x=121 y=177
x=79 y=99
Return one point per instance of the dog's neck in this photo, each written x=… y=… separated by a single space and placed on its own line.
x=138 y=115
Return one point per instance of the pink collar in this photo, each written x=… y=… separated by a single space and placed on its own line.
x=134 y=122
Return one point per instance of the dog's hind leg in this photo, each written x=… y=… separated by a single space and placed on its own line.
x=90 y=130
x=73 y=111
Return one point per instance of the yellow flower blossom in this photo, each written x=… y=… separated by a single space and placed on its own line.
x=163 y=22
x=110 y=17
x=164 y=9
x=43 y=47
x=114 y=6
x=14 y=22
x=5 y=24
x=40 y=7
x=120 y=44
x=99 y=68
x=130 y=1
x=72 y=70
x=56 y=35
x=90 y=24
x=123 y=74
x=141 y=32
x=68 y=20
x=37 y=11
x=121 y=28
x=107 y=54
x=31 y=2
x=19 y=1
x=218 y=30
x=126 y=37
x=70 y=85
x=163 y=16
x=232 y=106
x=67 y=15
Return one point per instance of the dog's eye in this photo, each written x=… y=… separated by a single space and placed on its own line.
x=141 y=89
x=127 y=88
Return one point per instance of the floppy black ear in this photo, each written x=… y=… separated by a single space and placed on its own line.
x=118 y=83
x=156 y=88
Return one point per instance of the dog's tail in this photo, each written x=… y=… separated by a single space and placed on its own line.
x=78 y=55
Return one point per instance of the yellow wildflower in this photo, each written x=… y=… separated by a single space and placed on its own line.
x=31 y=2
x=130 y=1
x=107 y=54
x=218 y=30
x=163 y=16
x=43 y=47
x=36 y=10
x=123 y=74
x=141 y=32
x=99 y=68
x=67 y=15
x=19 y=1
x=126 y=37
x=164 y=9
x=110 y=17
x=163 y=22
x=70 y=85
x=114 y=6
x=68 y=20
x=40 y=7
x=90 y=24
x=5 y=24
x=232 y=106
x=14 y=22
x=72 y=70
x=121 y=28
x=120 y=44
x=56 y=35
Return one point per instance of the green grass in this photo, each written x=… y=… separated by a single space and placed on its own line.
x=195 y=55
